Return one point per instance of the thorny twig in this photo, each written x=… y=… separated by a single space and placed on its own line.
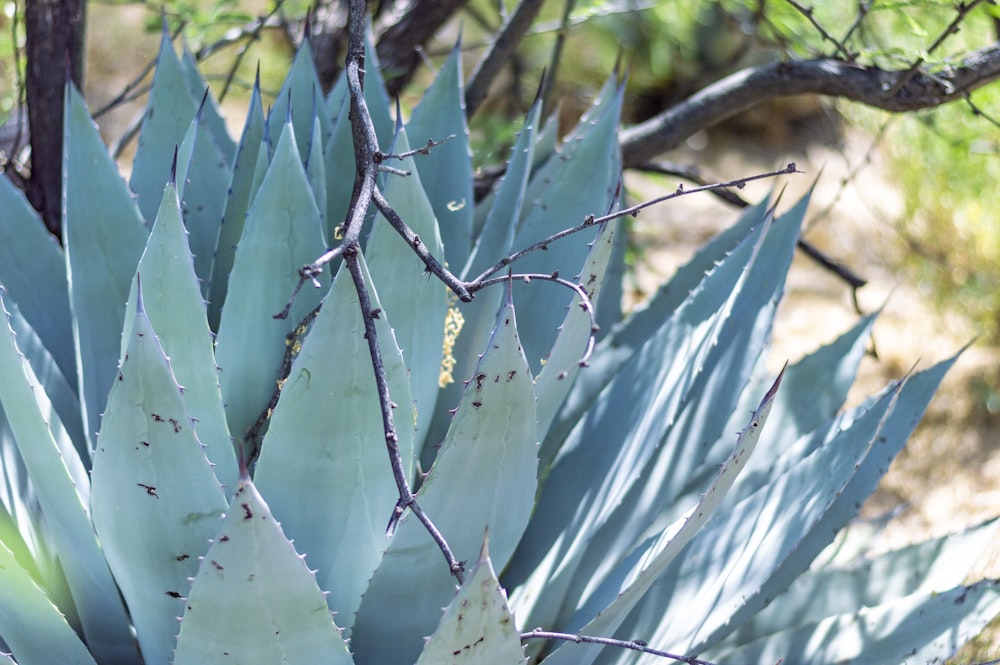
x=634 y=645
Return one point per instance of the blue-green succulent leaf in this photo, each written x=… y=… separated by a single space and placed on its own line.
x=935 y=565
x=415 y=300
x=612 y=442
x=33 y=628
x=169 y=111
x=254 y=601
x=665 y=548
x=323 y=465
x=283 y=232
x=214 y=121
x=203 y=174
x=920 y=628
x=173 y=303
x=156 y=502
x=446 y=171
x=563 y=365
x=33 y=271
x=580 y=182
x=301 y=89
x=62 y=500
x=242 y=190
x=316 y=165
x=484 y=478
x=105 y=237
x=477 y=626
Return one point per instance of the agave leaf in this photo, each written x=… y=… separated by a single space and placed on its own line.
x=254 y=600
x=31 y=625
x=105 y=237
x=242 y=190
x=669 y=544
x=415 y=300
x=315 y=164
x=301 y=89
x=446 y=171
x=612 y=352
x=173 y=303
x=203 y=173
x=558 y=374
x=742 y=339
x=33 y=271
x=920 y=628
x=66 y=422
x=94 y=594
x=484 y=477
x=155 y=500
x=934 y=565
x=493 y=244
x=613 y=440
x=581 y=181
x=168 y=115
x=477 y=626
x=323 y=464
x=211 y=114
x=283 y=232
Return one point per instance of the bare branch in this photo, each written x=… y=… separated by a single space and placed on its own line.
x=398 y=46
x=808 y=13
x=747 y=88
x=499 y=53
x=590 y=220
x=635 y=645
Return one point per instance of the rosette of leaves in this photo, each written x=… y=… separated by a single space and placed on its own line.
x=191 y=481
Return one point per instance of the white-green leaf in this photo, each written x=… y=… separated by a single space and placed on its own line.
x=254 y=601
x=155 y=500
x=477 y=627
x=173 y=303
x=323 y=465
x=30 y=624
x=484 y=478
x=283 y=233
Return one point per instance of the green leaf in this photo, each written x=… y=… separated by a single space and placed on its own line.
x=254 y=601
x=203 y=174
x=671 y=542
x=579 y=182
x=155 y=500
x=446 y=171
x=558 y=374
x=169 y=111
x=62 y=501
x=213 y=119
x=173 y=303
x=242 y=190
x=920 y=628
x=323 y=464
x=105 y=237
x=301 y=90
x=934 y=565
x=477 y=626
x=33 y=271
x=282 y=233
x=415 y=300
x=483 y=478
x=30 y=624
x=611 y=442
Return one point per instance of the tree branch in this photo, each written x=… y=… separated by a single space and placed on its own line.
x=499 y=53
x=397 y=48
x=834 y=78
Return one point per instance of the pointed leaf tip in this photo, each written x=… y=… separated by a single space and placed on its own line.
x=173 y=167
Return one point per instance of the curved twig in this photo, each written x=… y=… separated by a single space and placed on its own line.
x=634 y=645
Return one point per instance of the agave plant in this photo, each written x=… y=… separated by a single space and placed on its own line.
x=188 y=478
